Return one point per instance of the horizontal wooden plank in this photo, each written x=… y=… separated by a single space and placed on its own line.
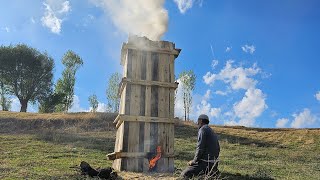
x=153 y=49
x=122 y=117
x=145 y=83
x=151 y=83
x=118 y=155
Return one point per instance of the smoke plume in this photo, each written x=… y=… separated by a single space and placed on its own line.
x=140 y=17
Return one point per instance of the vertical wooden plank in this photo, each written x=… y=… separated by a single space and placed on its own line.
x=127 y=99
x=171 y=103
x=171 y=147
x=154 y=101
x=160 y=162
x=147 y=143
x=155 y=68
x=171 y=68
x=143 y=65
x=142 y=101
x=141 y=146
x=129 y=63
x=133 y=144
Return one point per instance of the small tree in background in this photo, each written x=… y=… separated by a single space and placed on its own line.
x=93 y=100
x=188 y=80
x=49 y=103
x=5 y=102
x=112 y=92
x=65 y=84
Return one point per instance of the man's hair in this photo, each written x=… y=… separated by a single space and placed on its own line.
x=205 y=121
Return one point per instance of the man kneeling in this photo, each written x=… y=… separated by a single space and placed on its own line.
x=205 y=160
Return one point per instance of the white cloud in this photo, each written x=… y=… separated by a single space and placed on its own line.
x=6 y=29
x=55 y=10
x=214 y=63
x=317 y=95
x=237 y=77
x=250 y=107
x=282 y=122
x=102 y=107
x=228 y=49
x=222 y=93
x=209 y=78
x=33 y=21
x=248 y=49
x=76 y=105
x=207 y=96
x=205 y=108
x=16 y=106
x=303 y=119
x=184 y=5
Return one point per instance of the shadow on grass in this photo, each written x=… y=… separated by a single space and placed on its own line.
x=105 y=144
x=189 y=131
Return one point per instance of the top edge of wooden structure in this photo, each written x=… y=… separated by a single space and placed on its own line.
x=145 y=44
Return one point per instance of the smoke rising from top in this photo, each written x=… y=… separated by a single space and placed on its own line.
x=140 y=17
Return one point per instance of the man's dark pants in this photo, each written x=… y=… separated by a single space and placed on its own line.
x=200 y=169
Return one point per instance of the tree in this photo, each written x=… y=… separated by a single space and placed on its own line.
x=26 y=72
x=112 y=92
x=49 y=104
x=93 y=100
x=188 y=81
x=65 y=84
x=5 y=102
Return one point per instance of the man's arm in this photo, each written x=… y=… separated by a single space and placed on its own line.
x=200 y=146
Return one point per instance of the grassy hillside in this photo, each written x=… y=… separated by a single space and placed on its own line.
x=44 y=146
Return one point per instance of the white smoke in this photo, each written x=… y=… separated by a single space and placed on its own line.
x=140 y=17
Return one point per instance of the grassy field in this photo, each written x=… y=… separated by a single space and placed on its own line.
x=45 y=146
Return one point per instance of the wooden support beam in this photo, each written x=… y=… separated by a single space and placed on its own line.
x=122 y=117
x=126 y=81
x=118 y=155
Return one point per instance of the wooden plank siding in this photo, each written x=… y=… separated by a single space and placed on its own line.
x=146 y=112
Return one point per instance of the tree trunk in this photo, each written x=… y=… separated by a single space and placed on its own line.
x=24 y=105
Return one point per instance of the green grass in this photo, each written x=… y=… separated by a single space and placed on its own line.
x=43 y=147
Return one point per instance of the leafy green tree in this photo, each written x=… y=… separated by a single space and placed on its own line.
x=65 y=84
x=93 y=100
x=48 y=104
x=26 y=72
x=188 y=80
x=112 y=92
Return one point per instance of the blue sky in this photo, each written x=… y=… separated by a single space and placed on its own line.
x=256 y=61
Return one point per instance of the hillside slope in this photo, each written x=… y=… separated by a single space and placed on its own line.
x=44 y=146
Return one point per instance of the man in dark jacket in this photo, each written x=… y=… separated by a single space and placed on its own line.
x=205 y=160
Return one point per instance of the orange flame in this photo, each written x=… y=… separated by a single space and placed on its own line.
x=153 y=161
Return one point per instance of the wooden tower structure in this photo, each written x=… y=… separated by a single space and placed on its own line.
x=146 y=115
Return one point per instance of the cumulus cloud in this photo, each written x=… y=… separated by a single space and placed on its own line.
x=281 y=123
x=237 y=77
x=317 y=95
x=205 y=108
x=139 y=17
x=214 y=63
x=248 y=49
x=250 y=107
x=228 y=49
x=303 y=119
x=55 y=10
